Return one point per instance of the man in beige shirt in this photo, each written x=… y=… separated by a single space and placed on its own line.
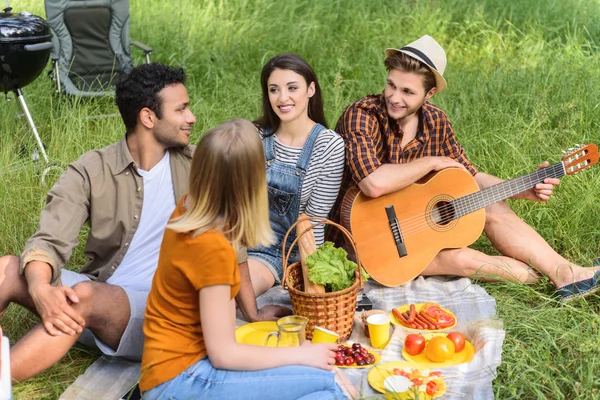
x=108 y=189
x=126 y=193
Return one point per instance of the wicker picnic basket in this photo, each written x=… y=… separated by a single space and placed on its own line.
x=333 y=310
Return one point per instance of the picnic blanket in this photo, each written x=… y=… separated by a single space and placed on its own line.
x=476 y=313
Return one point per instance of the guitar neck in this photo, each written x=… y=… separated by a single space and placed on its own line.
x=502 y=191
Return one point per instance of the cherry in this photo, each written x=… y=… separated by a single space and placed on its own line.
x=356 y=346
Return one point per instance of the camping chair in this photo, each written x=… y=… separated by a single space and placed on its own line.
x=91 y=45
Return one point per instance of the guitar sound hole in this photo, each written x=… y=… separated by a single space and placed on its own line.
x=443 y=213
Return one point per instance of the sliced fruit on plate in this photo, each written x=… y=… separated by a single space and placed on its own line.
x=403 y=381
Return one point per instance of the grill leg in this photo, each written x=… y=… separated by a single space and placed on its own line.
x=25 y=110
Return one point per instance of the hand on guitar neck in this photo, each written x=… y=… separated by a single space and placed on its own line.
x=541 y=192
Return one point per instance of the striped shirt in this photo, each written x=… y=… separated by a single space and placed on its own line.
x=323 y=177
x=373 y=139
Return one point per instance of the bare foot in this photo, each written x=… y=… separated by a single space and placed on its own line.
x=570 y=274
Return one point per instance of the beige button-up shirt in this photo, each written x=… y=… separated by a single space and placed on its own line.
x=104 y=189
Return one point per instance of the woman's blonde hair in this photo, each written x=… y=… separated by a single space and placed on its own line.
x=227 y=186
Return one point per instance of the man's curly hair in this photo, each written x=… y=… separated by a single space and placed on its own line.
x=139 y=88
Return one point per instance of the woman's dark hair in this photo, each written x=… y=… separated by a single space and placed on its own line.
x=292 y=62
x=139 y=88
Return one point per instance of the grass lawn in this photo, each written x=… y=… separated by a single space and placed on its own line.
x=523 y=79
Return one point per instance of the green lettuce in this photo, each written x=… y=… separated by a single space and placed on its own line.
x=330 y=267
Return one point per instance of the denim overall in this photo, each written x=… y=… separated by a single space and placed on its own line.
x=284 y=183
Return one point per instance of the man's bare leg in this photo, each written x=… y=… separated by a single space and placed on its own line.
x=475 y=264
x=514 y=238
x=261 y=276
x=106 y=311
x=13 y=286
x=522 y=246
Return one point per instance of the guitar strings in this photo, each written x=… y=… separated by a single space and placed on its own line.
x=457 y=207
x=460 y=207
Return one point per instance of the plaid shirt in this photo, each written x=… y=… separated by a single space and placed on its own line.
x=373 y=139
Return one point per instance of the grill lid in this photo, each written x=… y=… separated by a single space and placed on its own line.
x=23 y=27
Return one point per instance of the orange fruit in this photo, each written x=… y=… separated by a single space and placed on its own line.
x=439 y=349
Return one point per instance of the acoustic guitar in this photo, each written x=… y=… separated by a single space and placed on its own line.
x=398 y=234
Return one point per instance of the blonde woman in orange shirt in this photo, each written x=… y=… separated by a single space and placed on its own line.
x=190 y=349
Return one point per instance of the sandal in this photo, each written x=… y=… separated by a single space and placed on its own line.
x=579 y=289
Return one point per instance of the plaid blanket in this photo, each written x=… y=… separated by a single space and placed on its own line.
x=475 y=310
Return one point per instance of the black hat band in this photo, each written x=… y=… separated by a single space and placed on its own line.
x=419 y=53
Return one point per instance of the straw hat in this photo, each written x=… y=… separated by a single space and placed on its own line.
x=430 y=53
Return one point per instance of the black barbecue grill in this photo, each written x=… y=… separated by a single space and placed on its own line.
x=25 y=44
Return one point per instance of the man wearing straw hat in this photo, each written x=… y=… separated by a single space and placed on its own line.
x=397 y=137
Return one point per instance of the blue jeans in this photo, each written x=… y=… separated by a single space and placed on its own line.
x=202 y=381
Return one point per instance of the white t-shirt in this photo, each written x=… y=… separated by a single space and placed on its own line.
x=138 y=266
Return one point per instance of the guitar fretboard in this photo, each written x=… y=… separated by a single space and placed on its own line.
x=501 y=191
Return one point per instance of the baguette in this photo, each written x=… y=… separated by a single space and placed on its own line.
x=307 y=246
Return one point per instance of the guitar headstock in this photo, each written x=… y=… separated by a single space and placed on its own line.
x=580 y=158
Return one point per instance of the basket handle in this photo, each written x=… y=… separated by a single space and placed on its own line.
x=320 y=221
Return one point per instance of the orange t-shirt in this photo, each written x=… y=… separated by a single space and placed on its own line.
x=186 y=264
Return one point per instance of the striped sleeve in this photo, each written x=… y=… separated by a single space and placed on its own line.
x=358 y=128
x=327 y=183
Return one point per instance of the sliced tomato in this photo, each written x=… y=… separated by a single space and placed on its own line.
x=435 y=373
x=445 y=320
x=417 y=382
x=426 y=306
x=434 y=311
x=398 y=371
x=431 y=388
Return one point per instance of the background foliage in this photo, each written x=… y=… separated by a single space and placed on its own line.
x=523 y=79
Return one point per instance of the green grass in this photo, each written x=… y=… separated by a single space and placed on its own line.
x=523 y=79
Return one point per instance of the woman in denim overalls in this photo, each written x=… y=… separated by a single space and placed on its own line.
x=293 y=116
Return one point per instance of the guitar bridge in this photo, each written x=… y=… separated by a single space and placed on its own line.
x=396 y=232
